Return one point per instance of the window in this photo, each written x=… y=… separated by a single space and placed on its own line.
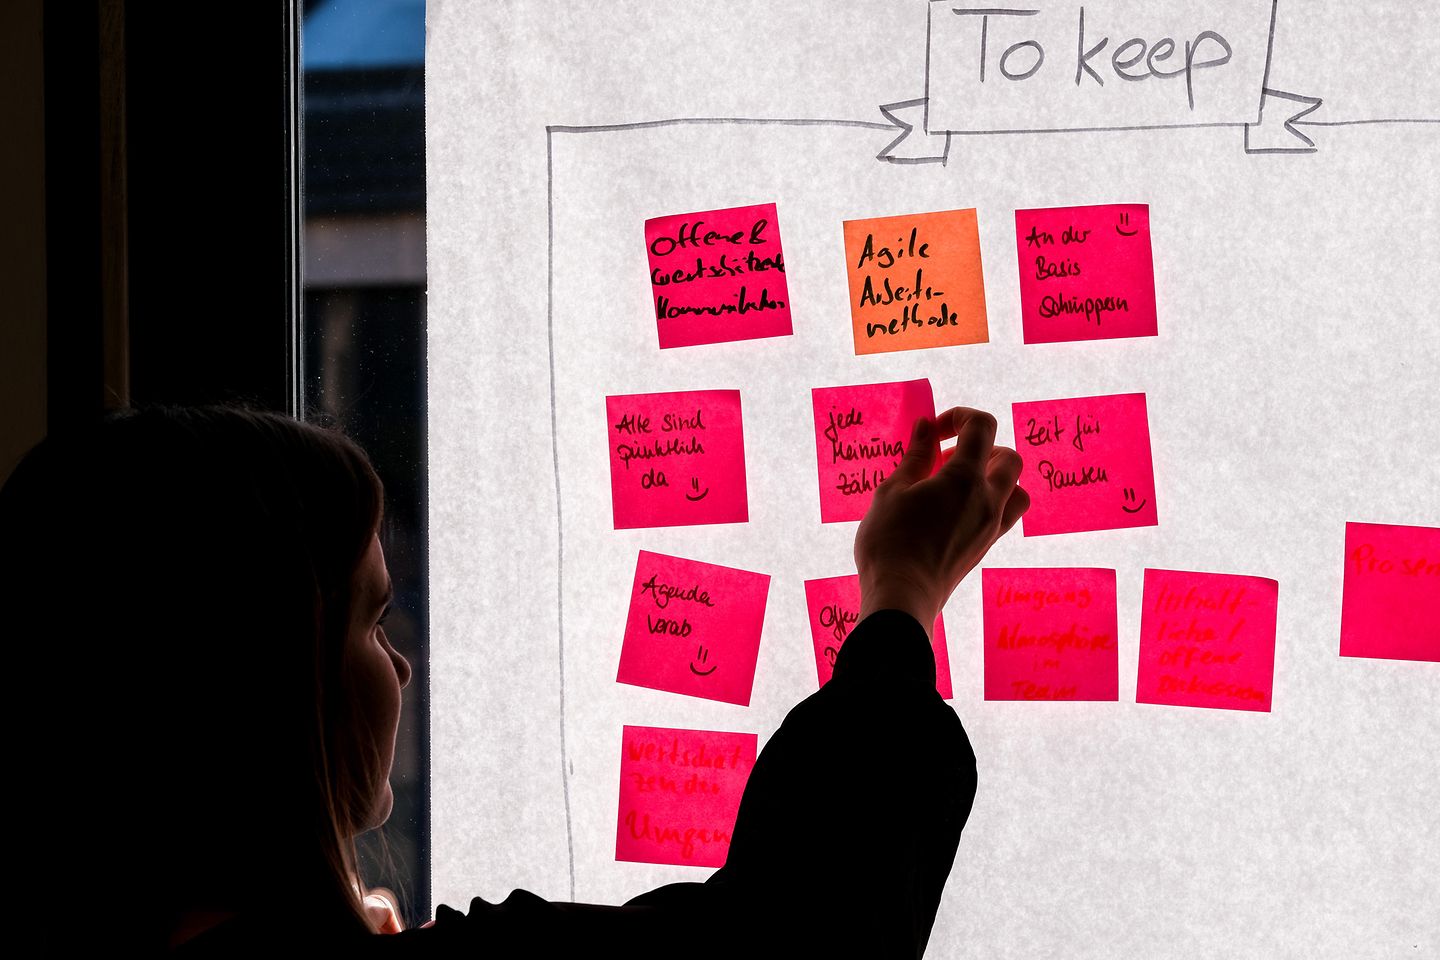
x=363 y=335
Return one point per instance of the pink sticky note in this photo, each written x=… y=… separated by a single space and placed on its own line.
x=693 y=628
x=679 y=793
x=676 y=459
x=1050 y=634
x=834 y=604
x=1087 y=464
x=1086 y=273
x=1207 y=640
x=860 y=436
x=1391 y=605
x=718 y=275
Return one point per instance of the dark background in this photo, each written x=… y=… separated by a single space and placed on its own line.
x=166 y=170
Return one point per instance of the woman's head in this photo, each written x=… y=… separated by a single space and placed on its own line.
x=201 y=586
x=375 y=674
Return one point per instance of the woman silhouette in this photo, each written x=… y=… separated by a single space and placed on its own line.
x=206 y=589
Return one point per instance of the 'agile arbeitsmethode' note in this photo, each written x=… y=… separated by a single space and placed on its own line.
x=915 y=281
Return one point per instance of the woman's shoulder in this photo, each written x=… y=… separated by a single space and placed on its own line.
x=254 y=934
x=523 y=924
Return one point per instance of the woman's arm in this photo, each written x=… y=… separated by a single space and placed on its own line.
x=852 y=815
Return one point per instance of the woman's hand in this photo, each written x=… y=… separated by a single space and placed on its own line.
x=923 y=533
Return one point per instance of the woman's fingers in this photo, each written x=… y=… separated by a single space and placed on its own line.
x=974 y=433
x=1003 y=470
x=919 y=455
x=1014 y=509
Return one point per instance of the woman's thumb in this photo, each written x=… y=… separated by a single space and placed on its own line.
x=917 y=464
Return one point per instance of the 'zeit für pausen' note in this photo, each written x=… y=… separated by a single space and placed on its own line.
x=1087 y=464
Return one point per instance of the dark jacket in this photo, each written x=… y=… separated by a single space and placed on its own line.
x=846 y=833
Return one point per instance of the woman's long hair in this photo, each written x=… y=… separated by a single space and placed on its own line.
x=181 y=581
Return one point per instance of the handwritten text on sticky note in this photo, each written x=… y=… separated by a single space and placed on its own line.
x=1087 y=464
x=915 y=281
x=679 y=793
x=676 y=459
x=718 y=275
x=834 y=604
x=1086 y=273
x=860 y=437
x=693 y=628
x=1391 y=605
x=1050 y=634
x=1207 y=640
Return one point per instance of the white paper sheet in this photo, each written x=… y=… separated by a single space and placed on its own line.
x=1292 y=387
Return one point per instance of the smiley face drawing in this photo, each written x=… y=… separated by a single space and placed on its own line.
x=1125 y=222
x=699 y=494
x=1130 y=498
x=702 y=655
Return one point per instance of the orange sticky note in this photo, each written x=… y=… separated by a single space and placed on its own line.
x=915 y=281
x=1391 y=604
x=680 y=793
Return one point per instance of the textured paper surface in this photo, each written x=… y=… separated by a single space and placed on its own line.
x=1086 y=273
x=915 y=281
x=677 y=458
x=718 y=276
x=1087 y=464
x=1391 y=608
x=834 y=608
x=679 y=793
x=1207 y=640
x=1286 y=392
x=693 y=628
x=861 y=434
x=1050 y=634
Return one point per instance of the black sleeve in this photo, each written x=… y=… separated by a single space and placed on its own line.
x=845 y=836
x=852 y=816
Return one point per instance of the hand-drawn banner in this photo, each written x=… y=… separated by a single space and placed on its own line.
x=1055 y=65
